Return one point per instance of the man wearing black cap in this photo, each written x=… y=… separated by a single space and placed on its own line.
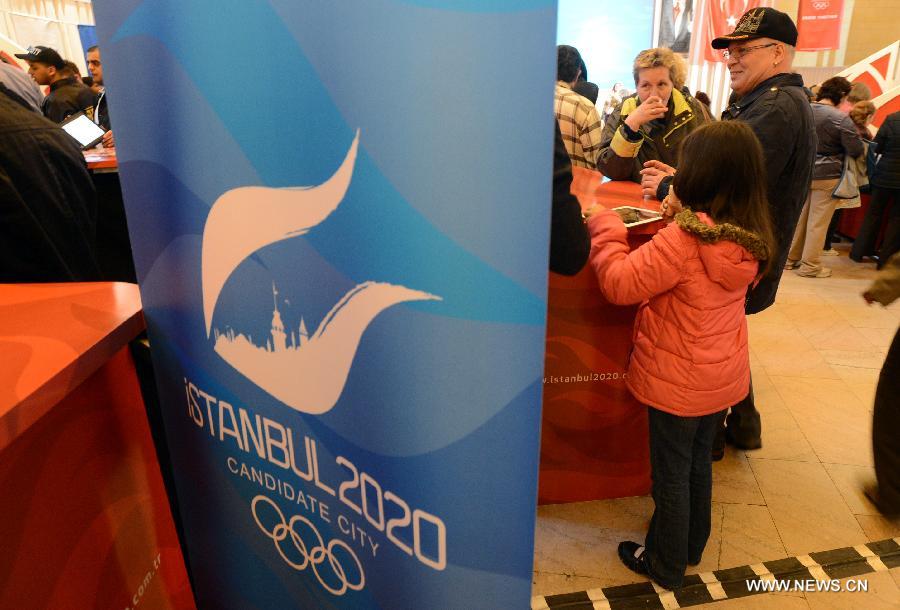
x=771 y=100
x=66 y=96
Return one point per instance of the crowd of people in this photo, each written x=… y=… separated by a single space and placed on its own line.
x=747 y=197
x=49 y=218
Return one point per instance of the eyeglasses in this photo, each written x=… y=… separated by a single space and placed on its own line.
x=739 y=53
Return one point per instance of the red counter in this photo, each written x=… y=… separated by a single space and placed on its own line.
x=594 y=434
x=101 y=159
x=84 y=518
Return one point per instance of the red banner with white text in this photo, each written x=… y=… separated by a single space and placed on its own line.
x=819 y=24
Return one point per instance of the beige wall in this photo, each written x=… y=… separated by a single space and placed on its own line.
x=869 y=25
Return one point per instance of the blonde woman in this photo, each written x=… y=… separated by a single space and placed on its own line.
x=642 y=135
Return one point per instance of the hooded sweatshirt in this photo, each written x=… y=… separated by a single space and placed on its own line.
x=690 y=355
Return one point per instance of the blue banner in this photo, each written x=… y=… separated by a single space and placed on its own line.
x=339 y=213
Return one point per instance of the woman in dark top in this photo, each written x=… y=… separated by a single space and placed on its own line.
x=885 y=182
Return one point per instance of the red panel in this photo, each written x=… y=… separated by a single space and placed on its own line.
x=594 y=434
x=889 y=107
x=85 y=522
x=881 y=64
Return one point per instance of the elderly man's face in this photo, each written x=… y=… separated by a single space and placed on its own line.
x=752 y=62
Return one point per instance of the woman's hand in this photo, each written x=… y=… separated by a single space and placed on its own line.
x=650 y=109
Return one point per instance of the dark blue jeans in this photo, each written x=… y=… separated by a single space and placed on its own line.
x=681 y=467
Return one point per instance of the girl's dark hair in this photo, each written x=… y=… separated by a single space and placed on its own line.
x=722 y=173
x=834 y=90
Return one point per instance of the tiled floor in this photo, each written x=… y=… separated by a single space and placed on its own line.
x=815 y=357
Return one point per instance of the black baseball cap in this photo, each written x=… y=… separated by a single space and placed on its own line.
x=44 y=55
x=763 y=22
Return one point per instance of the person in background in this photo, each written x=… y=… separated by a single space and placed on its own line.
x=71 y=70
x=769 y=97
x=690 y=360
x=587 y=90
x=15 y=80
x=859 y=92
x=861 y=114
x=101 y=110
x=885 y=495
x=577 y=116
x=48 y=209
x=704 y=99
x=66 y=97
x=569 y=240
x=885 y=185
x=649 y=126
x=837 y=138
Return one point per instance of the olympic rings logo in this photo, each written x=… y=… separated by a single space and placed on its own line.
x=310 y=556
x=821 y=4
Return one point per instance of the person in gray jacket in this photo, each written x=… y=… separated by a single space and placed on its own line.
x=17 y=80
x=837 y=138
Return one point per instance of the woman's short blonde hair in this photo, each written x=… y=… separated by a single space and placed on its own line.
x=661 y=57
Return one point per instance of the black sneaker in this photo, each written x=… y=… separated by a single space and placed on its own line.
x=632 y=555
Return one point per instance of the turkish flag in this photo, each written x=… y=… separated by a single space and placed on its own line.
x=721 y=18
x=819 y=24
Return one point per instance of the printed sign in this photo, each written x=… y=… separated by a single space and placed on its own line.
x=819 y=24
x=339 y=215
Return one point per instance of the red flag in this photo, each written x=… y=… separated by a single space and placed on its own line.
x=721 y=18
x=819 y=24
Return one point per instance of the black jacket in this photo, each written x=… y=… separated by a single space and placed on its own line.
x=569 y=240
x=887 y=144
x=48 y=208
x=66 y=97
x=778 y=112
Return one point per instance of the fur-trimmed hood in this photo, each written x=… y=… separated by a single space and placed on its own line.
x=728 y=252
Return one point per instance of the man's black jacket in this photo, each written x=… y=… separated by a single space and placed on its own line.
x=67 y=97
x=778 y=111
x=48 y=208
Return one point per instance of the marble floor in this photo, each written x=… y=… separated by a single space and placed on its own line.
x=815 y=357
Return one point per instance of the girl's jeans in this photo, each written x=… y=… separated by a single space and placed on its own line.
x=681 y=467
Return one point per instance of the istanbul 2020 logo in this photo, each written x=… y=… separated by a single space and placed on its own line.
x=307 y=373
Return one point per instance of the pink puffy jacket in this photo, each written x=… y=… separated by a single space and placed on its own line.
x=690 y=355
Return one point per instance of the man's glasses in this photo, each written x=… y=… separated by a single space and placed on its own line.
x=737 y=54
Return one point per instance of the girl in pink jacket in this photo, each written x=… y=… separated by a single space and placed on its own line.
x=690 y=360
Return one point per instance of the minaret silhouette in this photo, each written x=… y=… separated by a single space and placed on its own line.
x=279 y=337
x=303 y=335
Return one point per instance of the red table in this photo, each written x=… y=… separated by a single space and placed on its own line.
x=84 y=518
x=594 y=441
x=101 y=159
